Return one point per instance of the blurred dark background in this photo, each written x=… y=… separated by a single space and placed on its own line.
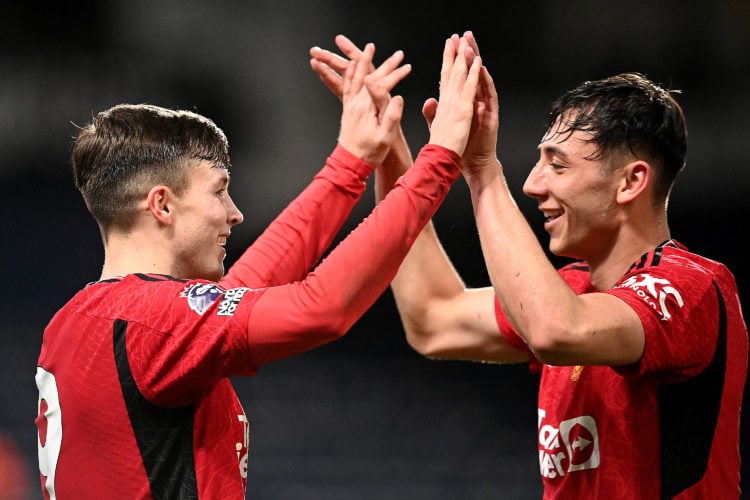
x=364 y=417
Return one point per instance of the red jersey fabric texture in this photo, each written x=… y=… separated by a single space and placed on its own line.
x=668 y=426
x=135 y=399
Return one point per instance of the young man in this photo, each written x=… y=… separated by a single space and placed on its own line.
x=134 y=393
x=641 y=344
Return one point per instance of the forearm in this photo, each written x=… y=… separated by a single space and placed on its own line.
x=389 y=232
x=426 y=276
x=333 y=297
x=296 y=239
x=396 y=163
x=425 y=279
x=536 y=300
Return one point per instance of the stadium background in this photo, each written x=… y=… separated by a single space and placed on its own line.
x=364 y=417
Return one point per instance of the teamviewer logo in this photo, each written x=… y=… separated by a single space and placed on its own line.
x=572 y=446
x=582 y=442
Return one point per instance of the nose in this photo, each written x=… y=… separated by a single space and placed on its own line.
x=535 y=186
x=234 y=216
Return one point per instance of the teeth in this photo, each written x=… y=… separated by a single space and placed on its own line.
x=548 y=216
x=222 y=240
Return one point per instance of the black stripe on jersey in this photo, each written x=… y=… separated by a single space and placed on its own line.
x=159 y=277
x=164 y=435
x=579 y=267
x=657 y=256
x=641 y=262
x=688 y=414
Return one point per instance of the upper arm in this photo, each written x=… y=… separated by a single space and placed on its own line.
x=462 y=326
x=602 y=330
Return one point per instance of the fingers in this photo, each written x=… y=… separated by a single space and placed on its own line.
x=452 y=117
x=469 y=36
x=329 y=77
x=331 y=68
x=486 y=91
x=381 y=81
x=454 y=67
x=388 y=66
x=488 y=85
x=347 y=47
x=472 y=82
x=363 y=67
x=348 y=77
x=449 y=50
x=334 y=61
x=393 y=112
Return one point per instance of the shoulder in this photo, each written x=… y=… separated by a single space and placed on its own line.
x=670 y=279
x=577 y=276
x=140 y=295
x=674 y=262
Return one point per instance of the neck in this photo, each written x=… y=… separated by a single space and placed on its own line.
x=627 y=248
x=128 y=253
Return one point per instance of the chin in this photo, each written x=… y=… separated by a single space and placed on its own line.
x=216 y=276
x=208 y=274
x=555 y=248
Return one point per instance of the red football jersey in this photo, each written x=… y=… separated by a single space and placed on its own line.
x=668 y=426
x=134 y=393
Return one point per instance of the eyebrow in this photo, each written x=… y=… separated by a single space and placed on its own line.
x=551 y=149
x=224 y=179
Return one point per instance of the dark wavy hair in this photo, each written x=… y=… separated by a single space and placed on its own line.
x=627 y=113
x=127 y=149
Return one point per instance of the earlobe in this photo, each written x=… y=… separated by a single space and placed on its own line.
x=636 y=176
x=159 y=200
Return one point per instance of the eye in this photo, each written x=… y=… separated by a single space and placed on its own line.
x=221 y=192
x=557 y=166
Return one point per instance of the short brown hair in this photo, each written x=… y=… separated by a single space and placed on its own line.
x=628 y=113
x=127 y=149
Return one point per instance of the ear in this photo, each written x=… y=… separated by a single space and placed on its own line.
x=159 y=201
x=636 y=176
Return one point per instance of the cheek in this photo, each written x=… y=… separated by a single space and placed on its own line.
x=594 y=206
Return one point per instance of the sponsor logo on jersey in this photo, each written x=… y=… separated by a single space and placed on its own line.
x=571 y=446
x=656 y=292
x=200 y=296
x=231 y=299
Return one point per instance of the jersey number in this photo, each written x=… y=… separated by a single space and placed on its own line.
x=49 y=427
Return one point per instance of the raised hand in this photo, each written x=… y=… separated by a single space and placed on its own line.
x=450 y=118
x=370 y=121
x=481 y=148
x=331 y=67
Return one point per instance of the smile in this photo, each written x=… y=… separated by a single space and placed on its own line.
x=550 y=216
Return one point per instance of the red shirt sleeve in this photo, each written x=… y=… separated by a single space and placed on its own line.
x=513 y=338
x=679 y=310
x=297 y=238
x=299 y=316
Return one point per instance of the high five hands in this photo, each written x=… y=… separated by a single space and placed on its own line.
x=481 y=149
x=467 y=101
x=371 y=117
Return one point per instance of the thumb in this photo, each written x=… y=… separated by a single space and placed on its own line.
x=429 y=108
x=393 y=111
